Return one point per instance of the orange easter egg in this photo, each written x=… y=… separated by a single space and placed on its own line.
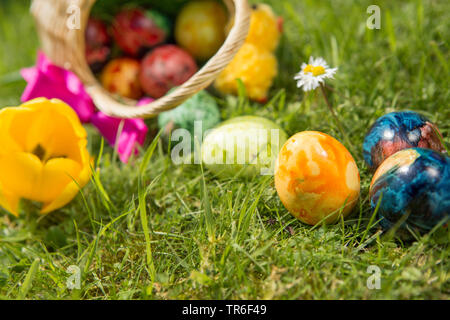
x=316 y=178
x=121 y=76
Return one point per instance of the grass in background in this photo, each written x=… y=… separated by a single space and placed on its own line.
x=18 y=44
x=230 y=239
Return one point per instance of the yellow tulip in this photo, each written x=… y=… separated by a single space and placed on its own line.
x=43 y=155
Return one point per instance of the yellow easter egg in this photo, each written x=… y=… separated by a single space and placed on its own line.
x=199 y=28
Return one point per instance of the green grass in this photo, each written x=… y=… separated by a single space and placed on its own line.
x=160 y=231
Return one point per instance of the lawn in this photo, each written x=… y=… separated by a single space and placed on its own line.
x=154 y=230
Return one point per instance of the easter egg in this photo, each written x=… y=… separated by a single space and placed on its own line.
x=396 y=131
x=136 y=30
x=412 y=188
x=96 y=33
x=201 y=107
x=243 y=147
x=165 y=67
x=121 y=76
x=199 y=28
x=98 y=43
x=316 y=178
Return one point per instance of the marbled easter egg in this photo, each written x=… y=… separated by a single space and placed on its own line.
x=244 y=146
x=316 y=178
x=412 y=188
x=396 y=131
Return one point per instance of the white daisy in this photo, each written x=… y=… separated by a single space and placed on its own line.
x=314 y=73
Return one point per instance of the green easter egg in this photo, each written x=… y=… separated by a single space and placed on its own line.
x=244 y=146
x=201 y=107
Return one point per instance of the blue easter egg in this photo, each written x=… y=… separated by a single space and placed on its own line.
x=412 y=185
x=396 y=131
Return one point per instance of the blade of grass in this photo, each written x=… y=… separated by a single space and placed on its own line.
x=29 y=279
x=209 y=220
x=390 y=32
x=143 y=206
x=144 y=222
x=149 y=153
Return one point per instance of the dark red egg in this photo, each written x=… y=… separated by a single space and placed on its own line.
x=135 y=31
x=97 y=34
x=165 y=67
x=98 y=41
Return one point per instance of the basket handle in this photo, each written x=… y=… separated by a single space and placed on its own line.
x=202 y=79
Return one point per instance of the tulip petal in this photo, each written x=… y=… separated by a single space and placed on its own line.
x=144 y=101
x=107 y=126
x=51 y=81
x=8 y=142
x=10 y=203
x=29 y=73
x=20 y=173
x=128 y=145
x=67 y=195
x=134 y=132
x=58 y=106
x=56 y=175
x=53 y=125
x=70 y=191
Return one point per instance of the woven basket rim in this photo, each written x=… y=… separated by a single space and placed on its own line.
x=66 y=47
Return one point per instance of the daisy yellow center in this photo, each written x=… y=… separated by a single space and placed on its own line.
x=316 y=71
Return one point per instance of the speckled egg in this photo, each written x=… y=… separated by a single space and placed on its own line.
x=412 y=185
x=243 y=147
x=199 y=28
x=316 y=178
x=396 y=131
x=121 y=76
x=165 y=67
x=201 y=107
x=136 y=30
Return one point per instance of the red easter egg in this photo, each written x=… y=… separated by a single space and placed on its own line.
x=165 y=67
x=96 y=34
x=135 y=32
x=98 y=42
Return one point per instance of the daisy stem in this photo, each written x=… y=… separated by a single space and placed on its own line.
x=333 y=113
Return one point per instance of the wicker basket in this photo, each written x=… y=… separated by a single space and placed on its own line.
x=66 y=48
